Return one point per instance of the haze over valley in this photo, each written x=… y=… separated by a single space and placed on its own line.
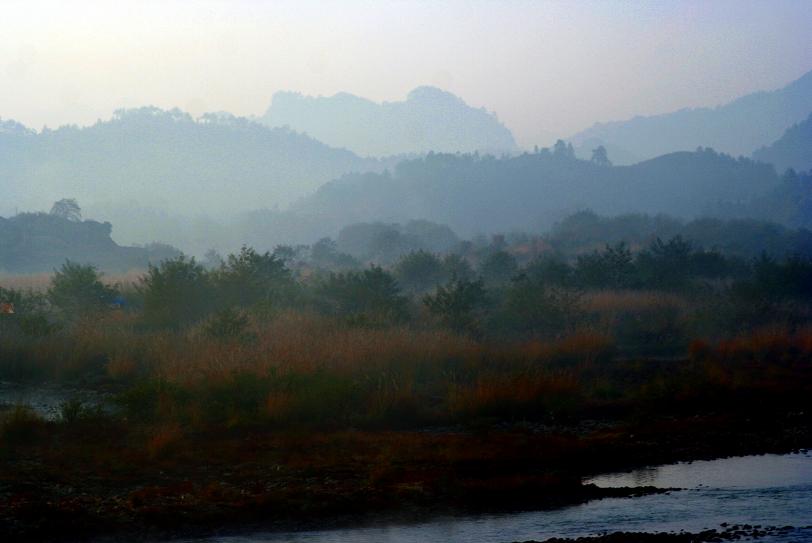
x=493 y=271
x=218 y=181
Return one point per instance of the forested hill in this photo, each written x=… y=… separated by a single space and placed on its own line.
x=429 y=119
x=41 y=242
x=793 y=150
x=473 y=194
x=168 y=160
x=738 y=128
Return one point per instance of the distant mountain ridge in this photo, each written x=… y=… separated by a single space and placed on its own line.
x=736 y=128
x=792 y=150
x=217 y=164
x=430 y=119
x=531 y=191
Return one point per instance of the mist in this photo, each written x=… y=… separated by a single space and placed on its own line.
x=406 y=271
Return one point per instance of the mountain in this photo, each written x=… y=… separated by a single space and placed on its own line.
x=40 y=242
x=428 y=120
x=789 y=203
x=217 y=164
x=793 y=150
x=473 y=194
x=737 y=128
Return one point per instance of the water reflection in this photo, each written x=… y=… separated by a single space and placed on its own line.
x=770 y=490
x=764 y=471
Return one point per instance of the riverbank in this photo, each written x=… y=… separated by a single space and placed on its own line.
x=730 y=533
x=53 y=487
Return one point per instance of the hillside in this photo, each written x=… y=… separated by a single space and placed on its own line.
x=792 y=150
x=428 y=120
x=166 y=160
x=473 y=194
x=40 y=242
x=737 y=128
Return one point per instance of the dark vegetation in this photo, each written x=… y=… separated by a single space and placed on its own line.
x=529 y=192
x=268 y=388
x=39 y=242
x=148 y=169
x=739 y=127
x=793 y=150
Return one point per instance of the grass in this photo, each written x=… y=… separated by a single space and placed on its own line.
x=41 y=281
x=298 y=413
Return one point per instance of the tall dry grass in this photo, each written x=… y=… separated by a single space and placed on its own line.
x=36 y=282
x=608 y=303
x=40 y=282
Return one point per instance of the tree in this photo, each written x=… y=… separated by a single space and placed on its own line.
x=250 y=278
x=563 y=149
x=457 y=267
x=67 y=208
x=666 y=264
x=460 y=305
x=325 y=253
x=600 y=156
x=419 y=271
x=176 y=293
x=535 y=309
x=498 y=267
x=77 y=290
x=611 y=268
x=369 y=296
x=212 y=259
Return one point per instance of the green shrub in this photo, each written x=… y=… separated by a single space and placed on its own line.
x=532 y=308
x=460 y=305
x=611 y=268
x=77 y=290
x=176 y=293
x=369 y=296
x=19 y=426
x=250 y=278
x=498 y=267
x=75 y=410
x=419 y=271
x=152 y=400
x=228 y=324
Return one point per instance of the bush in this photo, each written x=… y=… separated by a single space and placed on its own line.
x=457 y=267
x=460 y=305
x=176 y=293
x=75 y=410
x=550 y=271
x=228 y=324
x=534 y=309
x=611 y=268
x=498 y=267
x=19 y=426
x=250 y=278
x=369 y=296
x=419 y=271
x=666 y=265
x=77 y=290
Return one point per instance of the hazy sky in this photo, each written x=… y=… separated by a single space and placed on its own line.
x=546 y=68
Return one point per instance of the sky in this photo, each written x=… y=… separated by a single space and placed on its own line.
x=546 y=68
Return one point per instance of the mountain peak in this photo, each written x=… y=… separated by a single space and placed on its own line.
x=738 y=127
x=428 y=93
x=429 y=119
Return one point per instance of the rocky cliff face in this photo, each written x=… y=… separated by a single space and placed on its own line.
x=430 y=119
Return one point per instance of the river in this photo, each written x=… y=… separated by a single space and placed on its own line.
x=767 y=490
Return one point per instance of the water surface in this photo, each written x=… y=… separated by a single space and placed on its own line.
x=770 y=490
